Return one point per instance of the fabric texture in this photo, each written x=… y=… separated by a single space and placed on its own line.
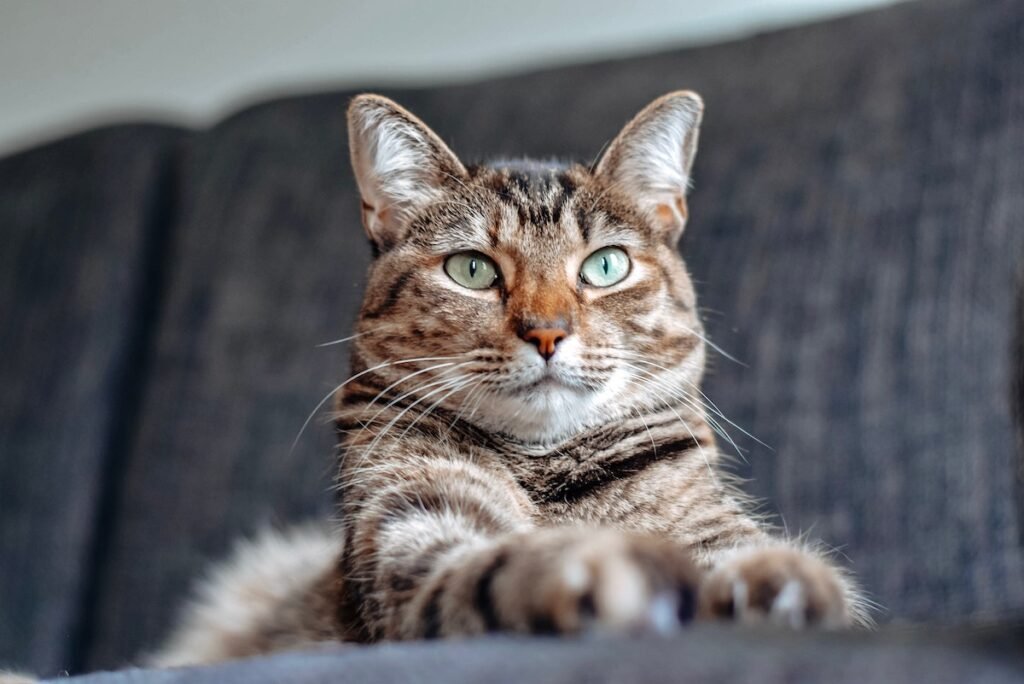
x=856 y=227
x=699 y=656
x=81 y=222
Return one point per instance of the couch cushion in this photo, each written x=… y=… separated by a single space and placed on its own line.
x=855 y=226
x=708 y=655
x=82 y=224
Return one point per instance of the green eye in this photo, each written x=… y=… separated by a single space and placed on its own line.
x=605 y=267
x=472 y=270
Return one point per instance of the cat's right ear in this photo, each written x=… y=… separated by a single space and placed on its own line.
x=651 y=158
x=401 y=166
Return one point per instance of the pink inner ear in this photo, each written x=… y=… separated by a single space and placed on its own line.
x=373 y=219
x=367 y=214
x=672 y=215
x=681 y=206
x=665 y=214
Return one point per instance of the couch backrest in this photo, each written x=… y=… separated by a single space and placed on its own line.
x=83 y=227
x=1017 y=399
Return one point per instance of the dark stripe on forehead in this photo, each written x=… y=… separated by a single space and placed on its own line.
x=522 y=183
x=504 y=192
x=583 y=221
x=493 y=220
x=540 y=214
x=537 y=191
x=566 y=189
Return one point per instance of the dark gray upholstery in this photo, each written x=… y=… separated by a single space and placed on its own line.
x=81 y=222
x=1017 y=399
x=699 y=656
x=857 y=224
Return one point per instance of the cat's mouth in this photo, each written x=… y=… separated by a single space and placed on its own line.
x=547 y=381
x=553 y=379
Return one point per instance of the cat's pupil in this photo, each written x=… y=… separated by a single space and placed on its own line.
x=604 y=264
x=472 y=268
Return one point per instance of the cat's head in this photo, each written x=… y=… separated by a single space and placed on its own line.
x=535 y=299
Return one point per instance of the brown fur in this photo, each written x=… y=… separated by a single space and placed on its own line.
x=485 y=489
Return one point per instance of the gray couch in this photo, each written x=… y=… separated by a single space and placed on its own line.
x=857 y=227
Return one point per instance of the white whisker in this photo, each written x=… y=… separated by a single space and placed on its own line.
x=337 y=389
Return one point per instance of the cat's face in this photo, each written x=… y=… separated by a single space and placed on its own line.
x=532 y=299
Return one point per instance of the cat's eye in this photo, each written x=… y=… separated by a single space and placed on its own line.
x=605 y=267
x=472 y=270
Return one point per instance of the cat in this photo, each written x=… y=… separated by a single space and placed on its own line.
x=525 y=446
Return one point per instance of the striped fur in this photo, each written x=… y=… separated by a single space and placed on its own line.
x=483 y=488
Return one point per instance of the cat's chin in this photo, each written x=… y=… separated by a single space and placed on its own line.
x=549 y=413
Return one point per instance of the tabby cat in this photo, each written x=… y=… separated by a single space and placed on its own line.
x=525 y=444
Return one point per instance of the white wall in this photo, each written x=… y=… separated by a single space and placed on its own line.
x=66 y=64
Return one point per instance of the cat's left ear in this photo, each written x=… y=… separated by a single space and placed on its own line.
x=401 y=166
x=651 y=158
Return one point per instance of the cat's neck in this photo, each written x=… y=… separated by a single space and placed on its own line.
x=670 y=425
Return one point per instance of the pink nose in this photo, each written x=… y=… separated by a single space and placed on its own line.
x=545 y=339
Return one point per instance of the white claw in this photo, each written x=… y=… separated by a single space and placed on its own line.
x=661 y=614
x=575 y=575
x=623 y=593
x=739 y=599
x=790 y=605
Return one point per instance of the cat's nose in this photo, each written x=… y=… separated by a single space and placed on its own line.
x=545 y=338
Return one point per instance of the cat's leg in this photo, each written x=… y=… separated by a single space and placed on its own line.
x=755 y=575
x=448 y=548
x=554 y=581
x=781 y=582
x=752 y=574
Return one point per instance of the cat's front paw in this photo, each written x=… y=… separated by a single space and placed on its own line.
x=571 y=581
x=777 y=584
